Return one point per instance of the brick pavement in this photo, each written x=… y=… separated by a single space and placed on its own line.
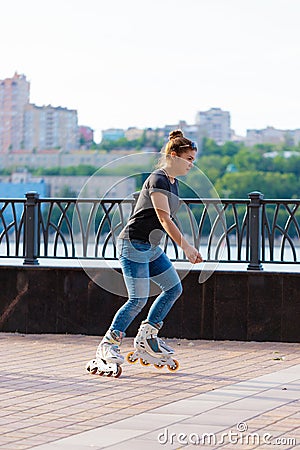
x=46 y=395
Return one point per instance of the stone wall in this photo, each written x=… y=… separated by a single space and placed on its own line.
x=231 y=305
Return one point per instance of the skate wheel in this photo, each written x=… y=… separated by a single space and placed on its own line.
x=129 y=358
x=119 y=371
x=158 y=366
x=108 y=374
x=93 y=371
x=101 y=373
x=143 y=362
x=174 y=367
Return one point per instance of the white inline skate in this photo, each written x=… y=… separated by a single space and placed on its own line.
x=150 y=349
x=108 y=358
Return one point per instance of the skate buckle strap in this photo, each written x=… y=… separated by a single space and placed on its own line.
x=115 y=337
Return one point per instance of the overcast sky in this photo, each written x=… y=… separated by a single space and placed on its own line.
x=125 y=63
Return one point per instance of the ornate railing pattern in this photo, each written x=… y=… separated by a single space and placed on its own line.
x=12 y=213
x=280 y=230
x=252 y=230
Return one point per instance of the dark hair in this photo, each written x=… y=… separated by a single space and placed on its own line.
x=177 y=143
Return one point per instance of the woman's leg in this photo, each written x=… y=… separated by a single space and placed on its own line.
x=135 y=267
x=163 y=273
x=134 y=259
x=136 y=278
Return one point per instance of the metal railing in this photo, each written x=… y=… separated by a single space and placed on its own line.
x=252 y=231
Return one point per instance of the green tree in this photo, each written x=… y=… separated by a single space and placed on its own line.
x=214 y=166
x=231 y=148
x=292 y=165
x=210 y=147
x=246 y=159
x=272 y=185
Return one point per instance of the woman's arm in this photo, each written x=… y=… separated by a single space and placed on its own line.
x=161 y=206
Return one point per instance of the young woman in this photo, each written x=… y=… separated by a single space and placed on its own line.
x=142 y=258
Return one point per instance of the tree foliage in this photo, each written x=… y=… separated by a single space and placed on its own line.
x=152 y=139
x=232 y=169
x=235 y=170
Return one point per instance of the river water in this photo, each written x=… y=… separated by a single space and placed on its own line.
x=109 y=252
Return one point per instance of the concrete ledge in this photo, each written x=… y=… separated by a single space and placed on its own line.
x=230 y=305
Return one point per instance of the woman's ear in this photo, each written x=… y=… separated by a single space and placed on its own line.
x=173 y=154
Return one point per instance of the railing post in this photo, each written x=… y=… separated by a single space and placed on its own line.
x=31 y=228
x=255 y=230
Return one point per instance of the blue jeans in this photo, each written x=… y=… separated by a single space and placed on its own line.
x=140 y=262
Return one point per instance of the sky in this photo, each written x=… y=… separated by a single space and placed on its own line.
x=143 y=64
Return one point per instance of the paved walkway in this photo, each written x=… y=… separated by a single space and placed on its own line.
x=233 y=395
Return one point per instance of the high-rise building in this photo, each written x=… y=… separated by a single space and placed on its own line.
x=48 y=127
x=214 y=124
x=26 y=126
x=191 y=132
x=14 y=95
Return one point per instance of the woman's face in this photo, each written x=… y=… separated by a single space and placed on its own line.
x=183 y=163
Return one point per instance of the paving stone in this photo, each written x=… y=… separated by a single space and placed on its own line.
x=40 y=405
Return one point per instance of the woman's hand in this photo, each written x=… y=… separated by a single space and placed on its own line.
x=192 y=254
x=161 y=206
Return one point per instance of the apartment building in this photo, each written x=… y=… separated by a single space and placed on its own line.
x=49 y=127
x=113 y=134
x=271 y=135
x=86 y=136
x=214 y=124
x=14 y=96
x=133 y=133
x=25 y=126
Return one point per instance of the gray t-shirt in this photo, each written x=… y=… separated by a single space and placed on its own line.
x=144 y=224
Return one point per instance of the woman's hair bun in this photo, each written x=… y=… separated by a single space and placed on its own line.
x=175 y=134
